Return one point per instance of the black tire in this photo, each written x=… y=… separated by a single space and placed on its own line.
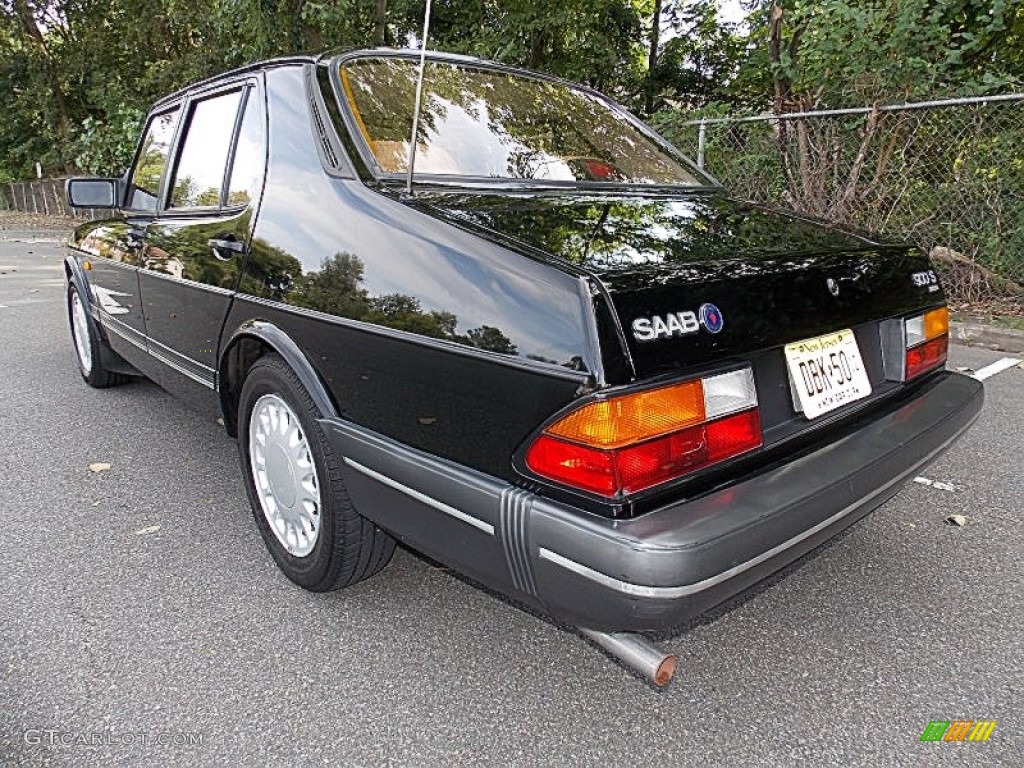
x=348 y=548
x=93 y=372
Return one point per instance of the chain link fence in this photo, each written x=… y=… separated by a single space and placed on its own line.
x=946 y=175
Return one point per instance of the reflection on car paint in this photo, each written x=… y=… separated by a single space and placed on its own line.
x=107 y=302
x=320 y=265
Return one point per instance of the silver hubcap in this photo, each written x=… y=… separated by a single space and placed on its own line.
x=80 y=332
x=284 y=474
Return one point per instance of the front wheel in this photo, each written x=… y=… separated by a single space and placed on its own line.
x=295 y=489
x=86 y=341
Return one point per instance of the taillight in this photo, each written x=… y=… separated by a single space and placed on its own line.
x=915 y=345
x=627 y=443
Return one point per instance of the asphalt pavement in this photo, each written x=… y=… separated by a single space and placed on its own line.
x=142 y=622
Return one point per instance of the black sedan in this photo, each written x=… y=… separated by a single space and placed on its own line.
x=535 y=343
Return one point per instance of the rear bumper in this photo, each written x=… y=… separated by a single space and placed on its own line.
x=653 y=572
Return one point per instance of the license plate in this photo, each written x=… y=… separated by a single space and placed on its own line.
x=826 y=373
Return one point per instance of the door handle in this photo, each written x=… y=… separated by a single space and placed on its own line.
x=222 y=245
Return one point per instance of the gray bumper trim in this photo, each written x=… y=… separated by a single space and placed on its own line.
x=653 y=571
x=642 y=590
x=458 y=514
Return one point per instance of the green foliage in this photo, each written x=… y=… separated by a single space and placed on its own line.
x=104 y=146
x=80 y=74
x=834 y=54
x=699 y=59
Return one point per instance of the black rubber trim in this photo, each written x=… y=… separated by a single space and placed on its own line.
x=79 y=280
x=333 y=158
x=283 y=344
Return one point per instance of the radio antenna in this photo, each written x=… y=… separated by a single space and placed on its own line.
x=419 y=98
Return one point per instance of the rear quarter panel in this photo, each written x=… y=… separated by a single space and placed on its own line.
x=420 y=331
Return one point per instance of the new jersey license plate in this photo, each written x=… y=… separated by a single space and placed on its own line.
x=826 y=373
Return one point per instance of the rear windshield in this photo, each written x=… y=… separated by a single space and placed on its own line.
x=487 y=123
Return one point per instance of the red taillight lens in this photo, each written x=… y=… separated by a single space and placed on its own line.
x=588 y=468
x=733 y=435
x=927 y=338
x=635 y=441
x=661 y=459
x=657 y=461
x=924 y=357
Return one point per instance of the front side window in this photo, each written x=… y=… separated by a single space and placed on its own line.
x=149 y=167
x=487 y=123
x=199 y=175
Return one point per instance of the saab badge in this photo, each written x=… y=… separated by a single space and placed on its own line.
x=833 y=286
x=711 y=318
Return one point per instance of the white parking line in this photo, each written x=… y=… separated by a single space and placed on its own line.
x=997 y=367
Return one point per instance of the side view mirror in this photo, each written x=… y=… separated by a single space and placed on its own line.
x=92 y=193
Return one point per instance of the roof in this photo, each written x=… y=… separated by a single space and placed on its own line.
x=314 y=58
x=253 y=67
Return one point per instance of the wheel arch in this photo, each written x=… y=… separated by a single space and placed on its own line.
x=246 y=345
x=75 y=275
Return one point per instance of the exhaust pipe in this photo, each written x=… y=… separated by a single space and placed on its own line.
x=637 y=653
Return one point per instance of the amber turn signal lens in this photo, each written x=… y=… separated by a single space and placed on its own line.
x=936 y=323
x=629 y=443
x=629 y=419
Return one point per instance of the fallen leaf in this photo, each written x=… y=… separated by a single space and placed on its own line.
x=99 y=466
x=958 y=520
x=147 y=530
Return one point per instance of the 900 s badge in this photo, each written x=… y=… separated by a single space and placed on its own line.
x=678 y=323
x=927 y=279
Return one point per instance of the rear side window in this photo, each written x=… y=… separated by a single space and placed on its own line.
x=199 y=176
x=149 y=167
x=247 y=168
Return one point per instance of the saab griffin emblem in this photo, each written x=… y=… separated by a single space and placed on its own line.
x=833 y=286
x=711 y=318
x=678 y=323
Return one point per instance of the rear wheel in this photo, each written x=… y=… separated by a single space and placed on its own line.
x=86 y=342
x=293 y=479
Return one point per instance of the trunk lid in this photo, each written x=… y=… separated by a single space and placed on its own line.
x=678 y=268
